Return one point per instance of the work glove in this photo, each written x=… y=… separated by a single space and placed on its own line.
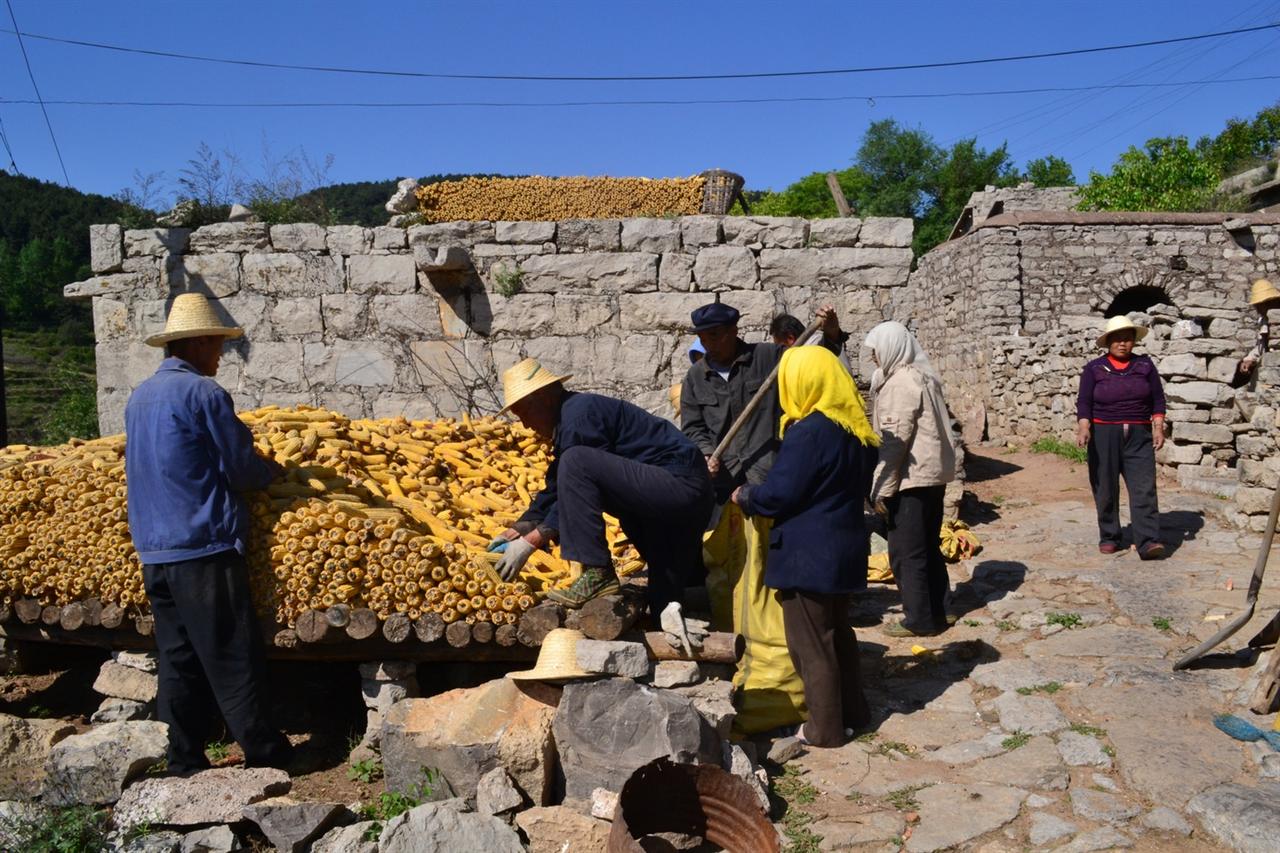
x=514 y=556
x=688 y=634
x=499 y=543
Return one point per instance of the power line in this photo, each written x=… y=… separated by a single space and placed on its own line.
x=31 y=74
x=623 y=103
x=330 y=69
x=4 y=137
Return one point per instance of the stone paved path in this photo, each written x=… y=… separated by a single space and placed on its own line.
x=1049 y=717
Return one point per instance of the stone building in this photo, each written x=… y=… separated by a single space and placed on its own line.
x=421 y=322
x=1009 y=313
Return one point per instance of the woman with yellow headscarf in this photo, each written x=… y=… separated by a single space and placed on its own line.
x=818 y=545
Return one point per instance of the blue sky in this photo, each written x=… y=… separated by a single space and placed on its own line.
x=771 y=144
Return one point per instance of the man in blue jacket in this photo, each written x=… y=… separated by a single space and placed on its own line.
x=188 y=458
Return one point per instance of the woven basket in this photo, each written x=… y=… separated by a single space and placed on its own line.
x=719 y=191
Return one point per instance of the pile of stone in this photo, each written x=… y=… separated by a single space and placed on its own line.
x=129 y=683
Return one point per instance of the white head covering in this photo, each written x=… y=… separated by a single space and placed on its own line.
x=894 y=347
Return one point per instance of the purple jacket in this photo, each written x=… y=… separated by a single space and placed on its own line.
x=1120 y=396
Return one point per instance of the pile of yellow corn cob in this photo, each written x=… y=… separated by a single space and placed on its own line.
x=545 y=199
x=390 y=514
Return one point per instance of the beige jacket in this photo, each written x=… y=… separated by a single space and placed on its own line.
x=916 y=444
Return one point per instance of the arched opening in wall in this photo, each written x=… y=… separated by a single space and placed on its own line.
x=1137 y=298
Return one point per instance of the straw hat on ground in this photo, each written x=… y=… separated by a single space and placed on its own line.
x=191 y=316
x=521 y=380
x=1120 y=324
x=557 y=659
x=1264 y=294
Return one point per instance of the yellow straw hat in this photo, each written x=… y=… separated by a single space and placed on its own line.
x=1263 y=292
x=191 y=316
x=521 y=380
x=1119 y=324
x=557 y=659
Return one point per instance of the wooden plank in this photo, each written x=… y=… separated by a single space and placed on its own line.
x=837 y=193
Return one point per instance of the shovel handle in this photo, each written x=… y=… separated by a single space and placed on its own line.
x=754 y=403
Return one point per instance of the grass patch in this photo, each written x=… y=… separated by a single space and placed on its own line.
x=854 y=796
x=1091 y=731
x=866 y=737
x=77 y=829
x=217 y=751
x=369 y=770
x=1108 y=750
x=888 y=746
x=1049 y=687
x=1066 y=449
x=1016 y=740
x=1066 y=620
x=508 y=281
x=792 y=788
x=904 y=799
x=1162 y=623
x=973 y=623
x=391 y=804
x=1005 y=625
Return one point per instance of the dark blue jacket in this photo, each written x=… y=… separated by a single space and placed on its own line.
x=623 y=429
x=187 y=458
x=814 y=493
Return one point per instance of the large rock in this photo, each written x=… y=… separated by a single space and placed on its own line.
x=126 y=682
x=1245 y=819
x=349 y=239
x=834 y=268
x=614 y=657
x=557 y=829
x=1033 y=765
x=1046 y=828
x=106 y=248
x=114 y=710
x=725 y=268
x=713 y=699
x=348 y=839
x=167 y=841
x=1034 y=715
x=952 y=814
x=650 y=235
x=601 y=745
x=382 y=273
x=591 y=235
x=287 y=274
x=216 y=275
x=439 y=826
x=210 y=796
x=298 y=237
x=211 y=839
x=886 y=231
x=230 y=237
x=155 y=242
x=24 y=747
x=94 y=767
x=496 y=793
x=1079 y=750
x=466 y=733
x=783 y=232
x=592 y=272
x=291 y=825
x=1101 y=807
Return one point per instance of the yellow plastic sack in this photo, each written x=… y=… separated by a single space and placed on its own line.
x=958 y=541
x=878 y=568
x=769 y=691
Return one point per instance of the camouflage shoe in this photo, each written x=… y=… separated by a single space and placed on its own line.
x=591 y=582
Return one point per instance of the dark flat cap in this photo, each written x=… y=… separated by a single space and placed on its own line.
x=715 y=314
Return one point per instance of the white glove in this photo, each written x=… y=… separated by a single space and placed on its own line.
x=688 y=634
x=513 y=559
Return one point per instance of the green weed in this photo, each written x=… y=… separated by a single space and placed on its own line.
x=77 y=829
x=794 y=790
x=1006 y=625
x=973 y=623
x=904 y=799
x=1067 y=450
x=1016 y=740
x=508 y=281
x=391 y=804
x=1162 y=623
x=891 y=746
x=1049 y=687
x=1066 y=620
x=367 y=771
x=217 y=751
x=1091 y=731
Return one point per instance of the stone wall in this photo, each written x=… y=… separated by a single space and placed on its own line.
x=1010 y=312
x=388 y=321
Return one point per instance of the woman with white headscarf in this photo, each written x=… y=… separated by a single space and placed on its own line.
x=917 y=460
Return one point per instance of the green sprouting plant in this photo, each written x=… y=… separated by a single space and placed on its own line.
x=1066 y=620
x=794 y=790
x=1162 y=623
x=76 y=829
x=904 y=799
x=1015 y=740
x=39 y=711
x=890 y=746
x=973 y=623
x=1049 y=687
x=1006 y=625
x=217 y=751
x=508 y=281
x=367 y=770
x=390 y=804
x=866 y=737
x=1091 y=731
x=1058 y=447
x=1108 y=750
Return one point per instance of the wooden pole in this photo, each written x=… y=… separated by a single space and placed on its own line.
x=458 y=634
x=363 y=624
x=428 y=627
x=837 y=193
x=397 y=628
x=611 y=616
x=718 y=647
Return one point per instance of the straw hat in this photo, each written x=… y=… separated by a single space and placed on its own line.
x=521 y=380
x=557 y=659
x=1119 y=324
x=191 y=316
x=1263 y=292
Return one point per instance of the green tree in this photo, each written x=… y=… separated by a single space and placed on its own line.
x=1166 y=174
x=1243 y=144
x=899 y=164
x=810 y=197
x=1050 y=171
x=965 y=169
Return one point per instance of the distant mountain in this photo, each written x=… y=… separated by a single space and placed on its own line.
x=30 y=209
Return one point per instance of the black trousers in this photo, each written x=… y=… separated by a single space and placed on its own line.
x=662 y=512
x=1117 y=450
x=824 y=650
x=211 y=659
x=915 y=557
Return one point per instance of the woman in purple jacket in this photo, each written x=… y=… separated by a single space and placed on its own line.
x=1120 y=418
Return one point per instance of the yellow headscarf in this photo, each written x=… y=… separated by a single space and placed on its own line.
x=812 y=379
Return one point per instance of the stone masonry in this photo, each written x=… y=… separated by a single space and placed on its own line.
x=1009 y=313
x=391 y=321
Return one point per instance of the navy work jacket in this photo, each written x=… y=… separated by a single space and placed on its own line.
x=814 y=493
x=187 y=458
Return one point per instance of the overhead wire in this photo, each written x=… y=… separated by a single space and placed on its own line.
x=381 y=72
x=31 y=74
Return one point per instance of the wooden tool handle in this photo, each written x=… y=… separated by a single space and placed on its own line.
x=754 y=402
